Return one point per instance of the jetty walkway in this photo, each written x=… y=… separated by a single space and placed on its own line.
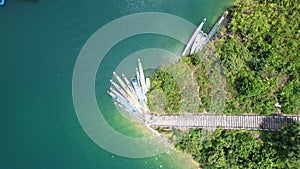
x=211 y=121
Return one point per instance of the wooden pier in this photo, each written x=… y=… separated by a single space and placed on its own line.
x=211 y=121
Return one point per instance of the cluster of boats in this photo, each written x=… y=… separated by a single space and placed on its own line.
x=131 y=96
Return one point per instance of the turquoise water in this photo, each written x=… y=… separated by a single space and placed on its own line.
x=40 y=42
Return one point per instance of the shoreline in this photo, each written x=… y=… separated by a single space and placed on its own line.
x=240 y=89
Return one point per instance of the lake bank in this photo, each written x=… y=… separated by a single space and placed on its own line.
x=260 y=66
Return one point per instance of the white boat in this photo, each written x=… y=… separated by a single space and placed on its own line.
x=192 y=39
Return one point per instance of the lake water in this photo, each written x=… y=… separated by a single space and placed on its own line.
x=39 y=44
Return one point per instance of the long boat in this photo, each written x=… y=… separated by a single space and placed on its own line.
x=199 y=39
x=193 y=37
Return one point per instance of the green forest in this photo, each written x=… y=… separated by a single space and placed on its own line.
x=258 y=48
x=244 y=149
x=261 y=57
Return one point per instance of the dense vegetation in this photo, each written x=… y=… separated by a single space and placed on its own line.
x=244 y=149
x=174 y=89
x=259 y=51
x=163 y=82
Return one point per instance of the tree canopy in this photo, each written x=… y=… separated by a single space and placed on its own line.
x=260 y=56
x=244 y=149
